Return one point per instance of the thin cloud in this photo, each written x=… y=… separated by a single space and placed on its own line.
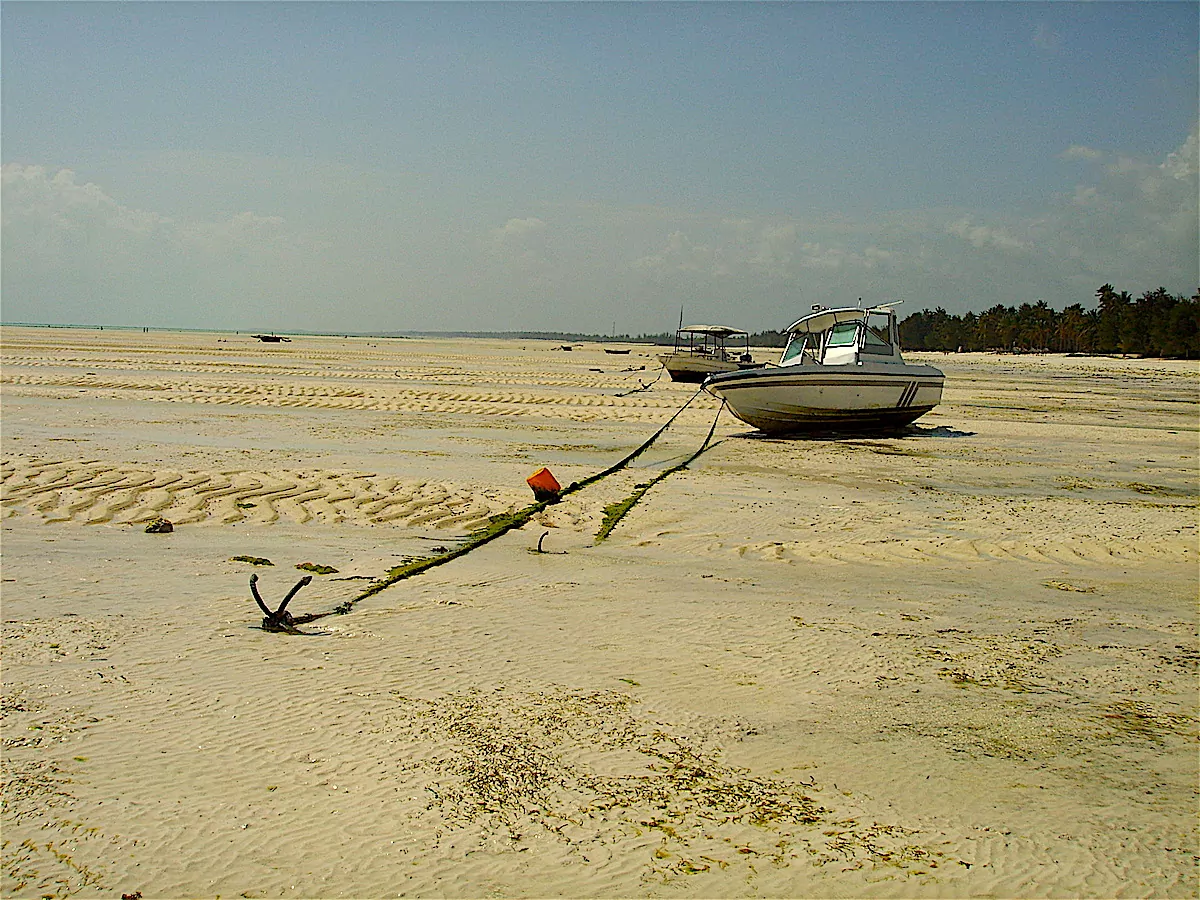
x=73 y=241
x=517 y=229
x=1079 y=152
x=521 y=247
x=1128 y=221
x=58 y=201
x=985 y=236
x=1046 y=38
x=1184 y=162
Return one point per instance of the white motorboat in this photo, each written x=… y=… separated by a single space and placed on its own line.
x=840 y=371
x=700 y=351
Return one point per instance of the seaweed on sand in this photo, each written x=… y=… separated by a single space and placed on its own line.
x=495 y=526
x=316 y=568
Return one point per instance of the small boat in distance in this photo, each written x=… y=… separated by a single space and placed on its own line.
x=840 y=371
x=272 y=338
x=700 y=351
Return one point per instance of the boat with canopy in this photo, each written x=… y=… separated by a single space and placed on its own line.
x=700 y=351
x=841 y=370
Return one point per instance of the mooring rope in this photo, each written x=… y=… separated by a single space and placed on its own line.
x=646 y=386
x=616 y=467
x=615 y=512
x=497 y=526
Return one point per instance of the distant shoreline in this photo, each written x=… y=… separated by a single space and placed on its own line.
x=664 y=339
x=399 y=335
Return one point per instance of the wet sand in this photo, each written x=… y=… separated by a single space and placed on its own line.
x=957 y=662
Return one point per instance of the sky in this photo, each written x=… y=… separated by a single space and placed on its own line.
x=588 y=167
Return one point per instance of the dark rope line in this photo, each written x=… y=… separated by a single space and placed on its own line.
x=616 y=511
x=497 y=526
x=616 y=467
x=646 y=386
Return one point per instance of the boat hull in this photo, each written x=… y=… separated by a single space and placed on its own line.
x=694 y=368
x=799 y=399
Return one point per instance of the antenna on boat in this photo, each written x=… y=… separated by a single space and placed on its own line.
x=681 y=316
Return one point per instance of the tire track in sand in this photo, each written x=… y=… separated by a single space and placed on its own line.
x=539 y=398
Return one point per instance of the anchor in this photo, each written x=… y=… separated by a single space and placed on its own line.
x=280 y=620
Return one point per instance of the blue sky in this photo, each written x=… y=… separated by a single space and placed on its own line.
x=574 y=166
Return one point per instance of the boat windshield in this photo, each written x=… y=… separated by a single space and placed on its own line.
x=877 y=338
x=795 y=346
x=844 y=334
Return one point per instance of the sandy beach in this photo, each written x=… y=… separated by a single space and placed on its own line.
x=958 y=662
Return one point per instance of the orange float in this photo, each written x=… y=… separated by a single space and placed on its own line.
x=545 y=486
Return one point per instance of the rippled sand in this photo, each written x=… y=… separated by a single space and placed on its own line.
x=957 y=662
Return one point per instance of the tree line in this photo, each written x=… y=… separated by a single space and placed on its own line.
x=1155 y=324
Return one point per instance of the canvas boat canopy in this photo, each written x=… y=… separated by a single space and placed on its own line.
x=721 y=331
x=700 y=351
x=822 y=320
